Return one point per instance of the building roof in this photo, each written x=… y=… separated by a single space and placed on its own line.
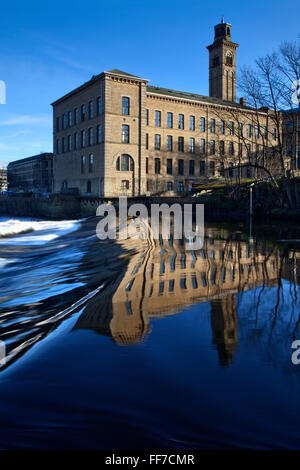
x=93 y=79
x=40 y=156
x=120 y=72
x=193 y=96
x=157 y=90
x=291 y=111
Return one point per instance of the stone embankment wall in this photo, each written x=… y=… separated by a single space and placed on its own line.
x=55 y=207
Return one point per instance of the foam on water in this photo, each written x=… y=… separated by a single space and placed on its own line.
x=25 y=231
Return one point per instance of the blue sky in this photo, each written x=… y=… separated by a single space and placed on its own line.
x=49 y=48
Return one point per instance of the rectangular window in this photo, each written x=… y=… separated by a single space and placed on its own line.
x=212 y=147
x=69 y=143
x=82 y=164
x=125 y=105
x=212 y=168
x=212 y=126
x=231 y=148
x=169 y=143
x=180 y=144
x=157 y=118
x=69 y=118
x=75 y=140
x=57 y=124
x=147 y=141
x=274 y=133
x=231 y=128
x=99 y=134
x=202 y=124
x=157 y=142
x=63 y=145
x=91 y=163
x=192 y=123
x=82 y=112
x=240 y=150
x=248 y=149
x=147 y=117
x=202 y=146
x=202 y=167
x=180 y=167
x=222 y=147
x=82 y=138
x=99 y=106
x=180 y=121
x=125 y=134
x=256 y=132
x=249 y=130
x=222 y=127
x=147 y=165
x=76 y=116
x=180 y=186
x=63 y=121
x=57 y=146
x=157 y=166
x=91 y=111
x=222 y=169
x=90 y=136
x=264 y=131
x=169 y=120
x=169 y=166
x=192 y=167
x=240 y=129
x=192 y=145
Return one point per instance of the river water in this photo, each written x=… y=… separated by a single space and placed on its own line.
x=146 y=345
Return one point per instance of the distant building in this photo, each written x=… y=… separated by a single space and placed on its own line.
x=32 y=174
x=117 y=135
x=3 y=179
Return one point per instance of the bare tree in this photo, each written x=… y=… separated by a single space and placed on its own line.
x=273 y=85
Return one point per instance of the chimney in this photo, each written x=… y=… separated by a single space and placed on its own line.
x=243 y=101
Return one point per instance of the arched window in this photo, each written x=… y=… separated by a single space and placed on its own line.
x=88 y=187
x=64 y=184
x=125 y=163
x=229 y=59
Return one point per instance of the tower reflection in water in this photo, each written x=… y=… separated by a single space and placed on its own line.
x=166 y=278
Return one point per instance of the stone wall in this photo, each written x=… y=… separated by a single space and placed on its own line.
x=56 y=207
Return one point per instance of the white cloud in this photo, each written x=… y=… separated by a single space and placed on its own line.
x=27 y=119
x=16 y=134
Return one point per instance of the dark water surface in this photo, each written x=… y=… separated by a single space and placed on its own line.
x=113 y=346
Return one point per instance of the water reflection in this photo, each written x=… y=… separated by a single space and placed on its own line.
x=164 y=278
x=122 y=287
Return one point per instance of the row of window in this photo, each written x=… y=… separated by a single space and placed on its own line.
x=181 y=167
x=202 y=147
x=212 y=125
x=71 y=142
x=72 y=117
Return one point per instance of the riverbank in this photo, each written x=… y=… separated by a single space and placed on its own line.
x=67 y=207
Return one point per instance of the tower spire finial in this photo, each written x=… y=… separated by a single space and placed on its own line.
x=222 y=20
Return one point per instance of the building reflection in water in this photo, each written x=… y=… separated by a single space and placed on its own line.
x=164 y=278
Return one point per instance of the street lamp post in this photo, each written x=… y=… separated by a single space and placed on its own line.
x=251 y=200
